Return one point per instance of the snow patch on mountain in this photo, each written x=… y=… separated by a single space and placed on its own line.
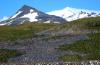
x=32 y=16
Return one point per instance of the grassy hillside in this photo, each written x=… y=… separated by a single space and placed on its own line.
x=85 y=23
x=24 y=31
x=90 y=48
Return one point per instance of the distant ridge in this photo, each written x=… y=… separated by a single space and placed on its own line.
x=71 y=14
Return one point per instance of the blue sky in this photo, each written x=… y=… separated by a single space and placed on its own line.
x=9 y=7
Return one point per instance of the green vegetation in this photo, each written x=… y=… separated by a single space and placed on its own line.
x=91 y=46
x=85 y=46
x=85 y=23
x=5 y=54
x=71 y=58
x=27 y=30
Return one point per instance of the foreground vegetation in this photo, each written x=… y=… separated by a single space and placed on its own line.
x=70 y=58
x=5 y=54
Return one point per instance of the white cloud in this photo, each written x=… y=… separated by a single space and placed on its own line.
x=4 y=18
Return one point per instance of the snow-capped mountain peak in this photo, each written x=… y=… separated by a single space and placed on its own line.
x=71 y=14
x=26 y=12
x=30 y=14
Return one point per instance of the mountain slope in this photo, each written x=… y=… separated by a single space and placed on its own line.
x=87 y=49
x=71 y=14
x=41 y=41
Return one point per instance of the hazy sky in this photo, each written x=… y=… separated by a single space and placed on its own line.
x=9 y=7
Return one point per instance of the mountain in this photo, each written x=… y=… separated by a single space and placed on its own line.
x=30 y=14
x=71 y=14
